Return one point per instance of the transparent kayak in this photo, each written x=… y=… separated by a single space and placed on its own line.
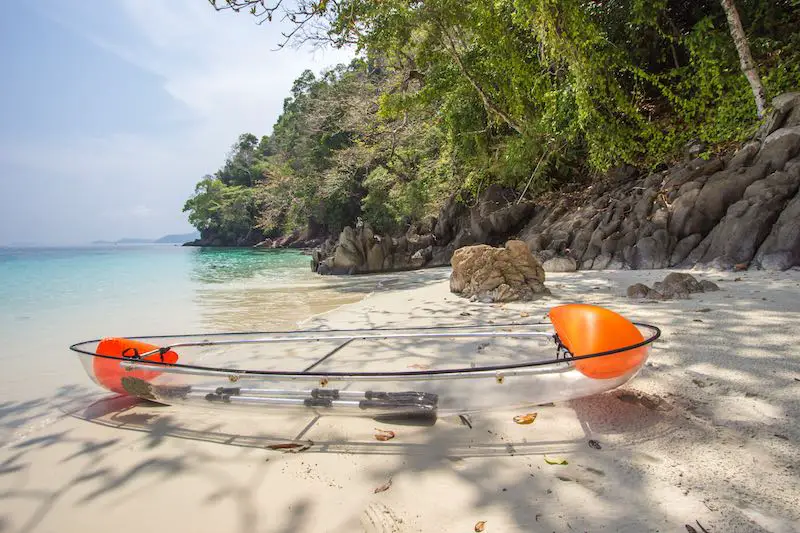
x=386 y=373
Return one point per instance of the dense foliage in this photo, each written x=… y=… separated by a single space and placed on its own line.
x=451 y=95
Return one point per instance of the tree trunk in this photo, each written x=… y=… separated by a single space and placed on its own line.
x=488 y=104
x=745 y=58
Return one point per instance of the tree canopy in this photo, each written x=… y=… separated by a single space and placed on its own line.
x=450 y=95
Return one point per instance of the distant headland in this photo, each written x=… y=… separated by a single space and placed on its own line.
x=175 y=238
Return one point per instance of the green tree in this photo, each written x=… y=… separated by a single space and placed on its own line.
x=450 y=95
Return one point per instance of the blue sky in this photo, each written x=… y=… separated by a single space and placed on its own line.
x=111 y=111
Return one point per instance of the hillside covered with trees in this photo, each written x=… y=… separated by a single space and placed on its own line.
x=450 y=97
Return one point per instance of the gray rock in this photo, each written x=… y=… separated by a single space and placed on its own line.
x=682 y=210
x=651 y=252
x=676 y=285
x=708 y=286
x=581 y=242
x=779 y=147
x=682 y=280
x=560 y=264
x=449 y=221
x=638 y=290
x=375 y=257
x=357 y=251
x=442 y=255
x=777 y=261
x=684 y=248
x=653 y=294
x=615 y=264
x=609 y=245
x=744 y=155
x=785 y=113
x=601 y=262
x=675 y=292
x=420 y=257
x=781 y=249
x=720 y=191
x=749 y=221
x=722 y=263
x=324 y=267
x=544 y=255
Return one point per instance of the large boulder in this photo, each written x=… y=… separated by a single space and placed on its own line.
x=749 y=221
x=652 y=251
x=781 y=249
x=497 y=274
x=702 y=210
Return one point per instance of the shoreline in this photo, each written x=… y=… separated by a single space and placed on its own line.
x=691 y=438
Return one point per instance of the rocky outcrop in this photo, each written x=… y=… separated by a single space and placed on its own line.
x=309 y=237
x=356 y=252
x=489 y=274
x=494 y=215
x=210 y=238
x=361 y=251
x=675 y=285
x=740 y=208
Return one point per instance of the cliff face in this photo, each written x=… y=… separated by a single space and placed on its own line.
x=737 y=210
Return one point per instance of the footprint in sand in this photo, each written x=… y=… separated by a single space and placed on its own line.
x=378 y=518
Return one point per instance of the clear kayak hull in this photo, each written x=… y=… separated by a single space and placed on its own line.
x=422 y=372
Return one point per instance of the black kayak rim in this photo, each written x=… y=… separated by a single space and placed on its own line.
x=78 y=348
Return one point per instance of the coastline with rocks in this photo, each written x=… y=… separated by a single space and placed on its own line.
x=737 y=210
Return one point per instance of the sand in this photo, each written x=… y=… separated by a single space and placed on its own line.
x=706 y=435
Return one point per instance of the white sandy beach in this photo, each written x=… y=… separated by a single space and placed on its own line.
x=706 y=435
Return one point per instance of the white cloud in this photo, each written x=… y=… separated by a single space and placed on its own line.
x=222 y=66
x=223 y=77
x=141 y=211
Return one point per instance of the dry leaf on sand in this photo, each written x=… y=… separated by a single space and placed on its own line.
x=384 y=487
x=528 y=418
x=384 y=434
x=291 y=447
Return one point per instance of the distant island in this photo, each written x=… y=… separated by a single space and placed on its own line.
x=175 y=238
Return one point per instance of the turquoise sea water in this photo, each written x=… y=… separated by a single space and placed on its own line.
x=139 y=283
x=53 y=297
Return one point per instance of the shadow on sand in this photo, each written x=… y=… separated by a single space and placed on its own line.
x=715 y=424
